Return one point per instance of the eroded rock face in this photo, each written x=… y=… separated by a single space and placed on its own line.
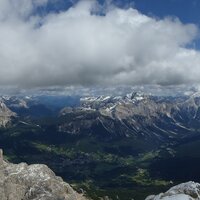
x=5 y=114
x=33 y=182
x=184 y=191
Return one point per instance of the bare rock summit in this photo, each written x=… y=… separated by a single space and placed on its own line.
x=184 y=191
x=33 y=182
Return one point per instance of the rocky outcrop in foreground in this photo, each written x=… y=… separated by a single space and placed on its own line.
x=184 y=191
x=32 y=182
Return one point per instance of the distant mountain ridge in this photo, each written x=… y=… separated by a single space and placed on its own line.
x=137 y=114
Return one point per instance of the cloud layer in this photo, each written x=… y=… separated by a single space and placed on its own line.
x=79 y=47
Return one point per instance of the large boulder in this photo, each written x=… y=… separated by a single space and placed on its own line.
x=33 y=182
x=184 y=191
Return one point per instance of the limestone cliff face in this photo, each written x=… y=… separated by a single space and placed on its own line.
x=33 y=182
x=184 y=191
x=5 y=114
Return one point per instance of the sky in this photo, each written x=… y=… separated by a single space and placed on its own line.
x=99 y=43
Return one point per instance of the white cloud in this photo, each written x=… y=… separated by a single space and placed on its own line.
x=76 y=47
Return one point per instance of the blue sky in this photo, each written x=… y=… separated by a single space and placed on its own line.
x=186 y=10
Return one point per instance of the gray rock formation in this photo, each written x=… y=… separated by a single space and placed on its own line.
x=33 y=182
x=5 y=114
x=1 y=157
x=184 y=191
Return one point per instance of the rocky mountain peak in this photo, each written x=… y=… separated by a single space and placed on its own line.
x=1 y=156
x=184 y=191
x=5 y=114
x=3 y=107
x=35 y=182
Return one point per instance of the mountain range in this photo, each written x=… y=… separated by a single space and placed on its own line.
x=120 y=146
